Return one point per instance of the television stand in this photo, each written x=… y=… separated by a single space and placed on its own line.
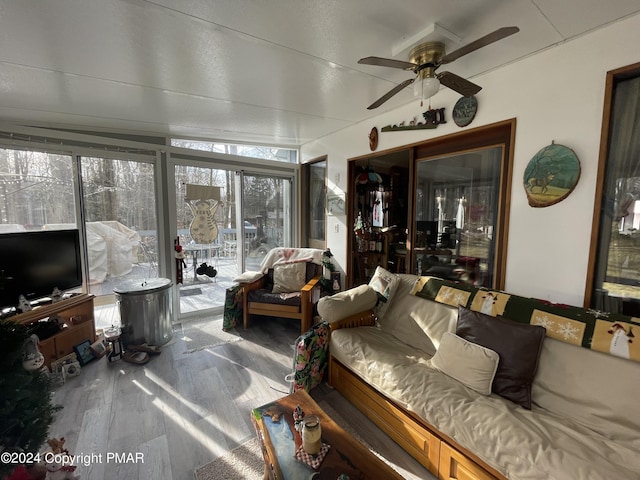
x=73 y=333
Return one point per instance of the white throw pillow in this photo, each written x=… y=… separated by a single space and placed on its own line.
x=289 y=277
x=248 y=277
x=385 y=283
x=471 y=364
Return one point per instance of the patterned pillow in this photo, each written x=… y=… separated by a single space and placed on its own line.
x=385 y=284
x=310 y=359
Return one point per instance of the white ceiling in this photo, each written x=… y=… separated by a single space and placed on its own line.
x=265 y=71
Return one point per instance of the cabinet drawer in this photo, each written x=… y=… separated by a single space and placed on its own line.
x=70 y=337
x=455 y=466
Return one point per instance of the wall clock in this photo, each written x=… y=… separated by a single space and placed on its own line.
x=373 y=138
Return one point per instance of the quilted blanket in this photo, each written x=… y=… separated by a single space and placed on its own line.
x=605 y=332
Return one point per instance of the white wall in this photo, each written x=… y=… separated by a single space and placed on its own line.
x=555 y=95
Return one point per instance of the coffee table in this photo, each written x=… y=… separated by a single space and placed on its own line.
x=279 y=440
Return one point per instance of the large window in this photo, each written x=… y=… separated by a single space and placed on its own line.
x=615 y=261
x=36 y=190
x=119 y=199
x=129 y=208
x=278 y=154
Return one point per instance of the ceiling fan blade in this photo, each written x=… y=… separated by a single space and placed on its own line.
x=458 y=84
x=390 y=94
x=387 y=62
x=481 y=42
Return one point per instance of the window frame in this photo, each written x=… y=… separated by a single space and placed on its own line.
x=613 y=77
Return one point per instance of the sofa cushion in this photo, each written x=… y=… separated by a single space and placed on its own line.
x=471 y=364
x=592 y=388
x=289 y=277
x=518 y=345
x=385 y=284
x=414 y=320
x=344 y=304
x=521 y=444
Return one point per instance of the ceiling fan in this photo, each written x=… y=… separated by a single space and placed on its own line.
x=425 y=59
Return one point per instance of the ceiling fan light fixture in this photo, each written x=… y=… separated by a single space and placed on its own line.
x=426 y=86
x=430 y=87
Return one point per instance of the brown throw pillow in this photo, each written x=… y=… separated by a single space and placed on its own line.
x=518 y=345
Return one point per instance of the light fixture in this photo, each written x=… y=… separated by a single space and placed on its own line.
x=426 y=85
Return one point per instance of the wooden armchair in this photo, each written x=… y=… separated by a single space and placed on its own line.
x=259 y=299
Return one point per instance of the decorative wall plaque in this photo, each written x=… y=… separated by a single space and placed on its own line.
x=373 y=139
x=432 y=118
x=464 y=111
x=551 y=175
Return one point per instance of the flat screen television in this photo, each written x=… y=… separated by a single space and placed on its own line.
x=34 y=263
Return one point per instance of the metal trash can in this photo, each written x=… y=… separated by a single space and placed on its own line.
x=145 y=311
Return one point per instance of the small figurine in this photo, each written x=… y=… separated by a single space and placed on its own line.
x=23 y=304
x=32 y=359
x=56 y=295
x=298 y=416
x=57 y=468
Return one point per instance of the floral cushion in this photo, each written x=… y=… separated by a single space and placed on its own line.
x=232 y=307
x=310 y=359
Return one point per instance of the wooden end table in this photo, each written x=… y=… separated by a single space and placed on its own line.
x=279 y=440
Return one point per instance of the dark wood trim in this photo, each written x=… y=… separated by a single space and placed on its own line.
x=613 y=77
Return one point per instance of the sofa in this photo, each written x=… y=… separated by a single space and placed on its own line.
x=402 y=349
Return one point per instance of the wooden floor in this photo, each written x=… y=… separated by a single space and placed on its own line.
x=180 y=411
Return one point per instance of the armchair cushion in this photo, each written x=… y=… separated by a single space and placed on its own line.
x=289 y=277
x=312 y=270
x=263 y=295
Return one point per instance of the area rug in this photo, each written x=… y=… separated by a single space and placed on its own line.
x=203 y=333
x=242 y=463
x=246 y=463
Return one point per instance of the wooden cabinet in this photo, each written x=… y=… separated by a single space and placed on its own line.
x=78 y=307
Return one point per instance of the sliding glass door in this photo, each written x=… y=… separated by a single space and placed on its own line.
x=119 y=204
x=267 y=216
x=225 y=220
x=206 y=233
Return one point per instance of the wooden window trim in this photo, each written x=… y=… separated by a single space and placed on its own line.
x=613 y=77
